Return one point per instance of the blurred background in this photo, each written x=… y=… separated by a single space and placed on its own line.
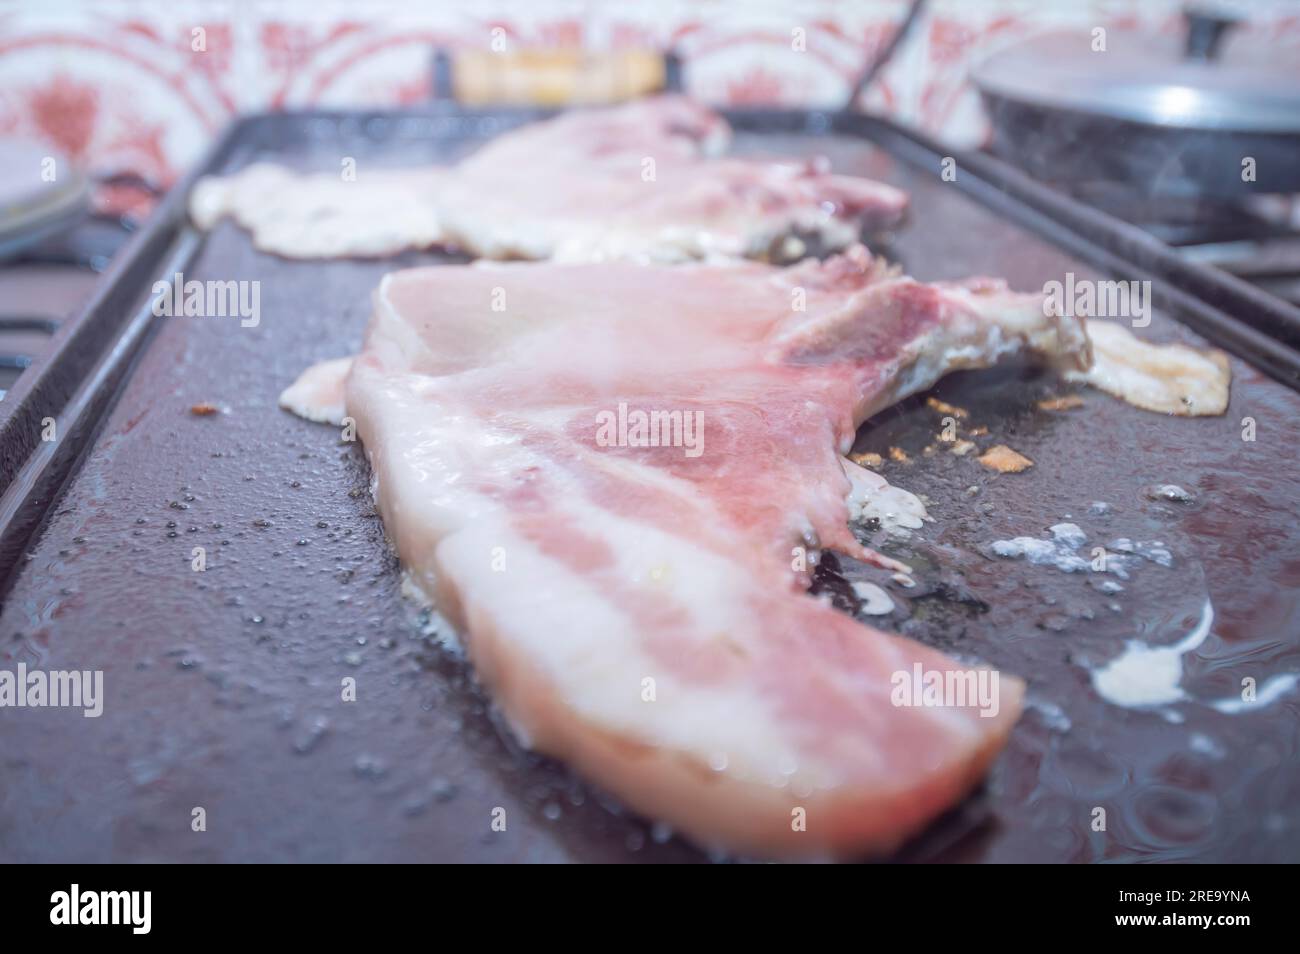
x=124 y=87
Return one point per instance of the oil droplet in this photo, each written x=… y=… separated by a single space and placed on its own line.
x=367 y=766
x=443 y=790
x=1170 y=492
x=311 y=738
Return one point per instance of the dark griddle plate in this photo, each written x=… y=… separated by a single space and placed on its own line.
x=223 y=687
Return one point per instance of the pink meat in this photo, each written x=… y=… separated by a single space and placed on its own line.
x=641 y=181
x=640 y=611
x=637 y=182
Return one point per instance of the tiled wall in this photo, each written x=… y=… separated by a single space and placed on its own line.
x=142 y=86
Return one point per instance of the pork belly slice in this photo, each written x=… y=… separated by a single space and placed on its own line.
x=639 y=181
x=641 y=611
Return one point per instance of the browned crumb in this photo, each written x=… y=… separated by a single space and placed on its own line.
x=1004 y=460
x=943 y=408
x=962 y=448
x=898 y=454
x=204 y=409
x=1065 y=402
x=978 y=431
x=867 y=459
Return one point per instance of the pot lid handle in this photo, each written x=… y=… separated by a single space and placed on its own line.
x=1205 y=31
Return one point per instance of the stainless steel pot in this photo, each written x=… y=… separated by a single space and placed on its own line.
x=1213 y=113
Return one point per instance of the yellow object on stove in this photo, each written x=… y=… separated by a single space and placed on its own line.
x=555 y=77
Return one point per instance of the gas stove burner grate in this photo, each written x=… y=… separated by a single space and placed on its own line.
x=1255 y=238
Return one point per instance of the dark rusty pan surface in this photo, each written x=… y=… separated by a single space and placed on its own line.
x=223 y=687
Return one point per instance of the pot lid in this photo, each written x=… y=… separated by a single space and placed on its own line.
x=40 y=193
x=1202 y=80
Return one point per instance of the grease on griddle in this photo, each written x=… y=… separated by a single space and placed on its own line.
x=1143 y=675
x=1170 y=492
x=1063 y=551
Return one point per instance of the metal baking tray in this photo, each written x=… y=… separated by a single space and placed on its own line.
x=223 y=687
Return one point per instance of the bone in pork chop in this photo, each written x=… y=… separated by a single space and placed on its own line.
x=634 y=598
x=632 y=182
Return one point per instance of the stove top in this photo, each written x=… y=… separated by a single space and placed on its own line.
x=1256 y=238
x=54 y=243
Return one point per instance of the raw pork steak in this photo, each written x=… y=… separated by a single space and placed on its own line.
x=633 y=593
x=633 y=182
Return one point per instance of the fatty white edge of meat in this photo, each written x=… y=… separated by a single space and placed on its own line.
x=871 y=496
x=319 y=215
x=435 y=624
x=311 y=396
x=875 y=601
x=1195 y=383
